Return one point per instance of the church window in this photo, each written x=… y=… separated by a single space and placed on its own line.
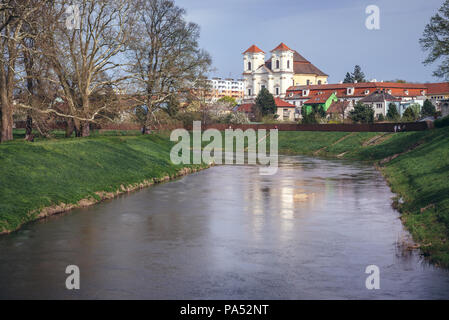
x=319 y=81
x=277 y=64
x=277 y=91
x=249 y=92
x=249 y=65
x=288 y=64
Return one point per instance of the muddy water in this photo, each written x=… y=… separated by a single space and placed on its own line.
x=228 y=233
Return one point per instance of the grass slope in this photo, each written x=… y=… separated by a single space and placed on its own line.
x=46 y=173
x=419 y=175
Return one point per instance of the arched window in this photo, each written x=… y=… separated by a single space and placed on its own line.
x=277 y=64
x=249 y=65
x=277 y=91
x=319 y=81
x=288 y=64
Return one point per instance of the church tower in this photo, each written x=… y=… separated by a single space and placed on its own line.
x=282 y=59
x=282 y=66
x=253 y=58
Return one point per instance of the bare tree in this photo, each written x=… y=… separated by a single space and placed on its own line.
x=166 y=58
x=13 y=17
x=86 y=61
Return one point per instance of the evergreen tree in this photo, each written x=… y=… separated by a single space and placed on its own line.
x=348 y=78
x=409 y=114
x=362 y=113
x=381 y=117
x=265 y=102
x=428 y=109
x=358 y=75
x=393 y=114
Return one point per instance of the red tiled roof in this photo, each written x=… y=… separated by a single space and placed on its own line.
x=364 y=85
x=319 y=98
x=247 y=107
x=437 y=88
x=253 y=49
x=281 y=47
x=338 y=107
x=363 y=89
x=283 y=104
x=300 y=66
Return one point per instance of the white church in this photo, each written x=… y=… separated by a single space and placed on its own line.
x=284 y=69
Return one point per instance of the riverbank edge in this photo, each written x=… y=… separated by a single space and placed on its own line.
x=103 y=196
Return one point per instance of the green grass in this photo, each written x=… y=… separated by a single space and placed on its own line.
x=419 y=175
x=50 y=172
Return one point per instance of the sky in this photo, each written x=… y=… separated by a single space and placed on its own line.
x=329 y=33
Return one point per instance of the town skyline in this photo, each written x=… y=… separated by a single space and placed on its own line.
x=391 y=53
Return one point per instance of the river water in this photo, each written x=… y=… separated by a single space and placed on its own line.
x=308 y=232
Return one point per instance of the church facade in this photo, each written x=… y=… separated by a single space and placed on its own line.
x=285 y=68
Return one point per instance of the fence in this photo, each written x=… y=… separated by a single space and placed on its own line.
x=375 y=127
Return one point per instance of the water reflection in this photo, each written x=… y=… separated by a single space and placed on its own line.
x=228 y=233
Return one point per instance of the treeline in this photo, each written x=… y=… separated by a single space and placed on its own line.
x=92 y=61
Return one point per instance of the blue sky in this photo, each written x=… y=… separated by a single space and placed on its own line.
x=329 y=33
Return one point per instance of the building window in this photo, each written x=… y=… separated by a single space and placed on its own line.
x=249 y=92
x=308 y=82
x=262 y=86
x=288 y=64
x=319 y=81
x=350 y=91
x=277 y=64
x=277 y=91
x=249 y=65
x=366 y=91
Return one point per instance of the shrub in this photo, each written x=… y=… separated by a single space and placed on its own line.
x=442 y=122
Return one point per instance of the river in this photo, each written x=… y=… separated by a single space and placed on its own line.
x=307 y=232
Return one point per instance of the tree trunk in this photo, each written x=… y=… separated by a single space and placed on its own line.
x=29 y=129
x=70 y=127
x=85 y=129
x=7 y=121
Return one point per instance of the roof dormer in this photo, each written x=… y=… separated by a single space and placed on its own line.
x=350 y=91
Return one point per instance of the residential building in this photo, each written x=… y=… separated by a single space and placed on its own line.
x=227 y=87
x=323 y=100
x=353 y=92
x=339 y=110
x=380 y=102
x=285 y=67
x=246 y=108
x=437 y=91
x=285 y=111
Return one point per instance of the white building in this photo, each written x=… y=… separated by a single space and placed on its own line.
x=284 y=69
x=227 y=87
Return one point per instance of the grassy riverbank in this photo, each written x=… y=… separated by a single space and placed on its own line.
x=415 y=164
x=66 y=173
